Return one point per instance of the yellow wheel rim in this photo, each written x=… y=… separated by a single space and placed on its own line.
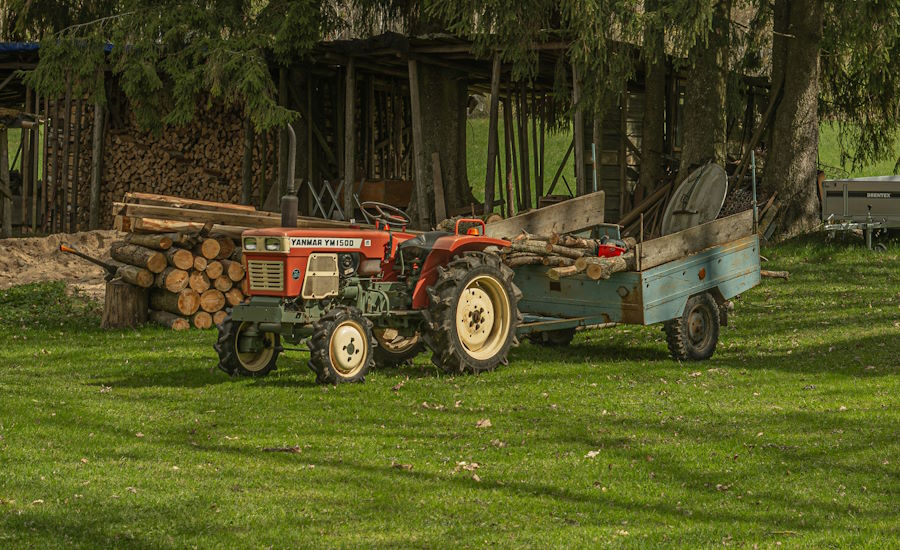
x=348 y=349
x=483 y=317
x=255 y=361
x=390 y=340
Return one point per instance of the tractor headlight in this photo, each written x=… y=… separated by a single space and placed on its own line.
x=249 y=243
x=273 y=244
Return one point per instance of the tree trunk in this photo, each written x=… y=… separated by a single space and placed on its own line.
x=704 y=96
x=791 y=166
x=654 y=125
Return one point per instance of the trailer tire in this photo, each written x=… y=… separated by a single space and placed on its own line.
x=552 y=338
x=478 y=287
x=341 y=347
x=694 y=335
x=245 y=364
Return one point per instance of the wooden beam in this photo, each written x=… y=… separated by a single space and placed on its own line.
x=578 y=128
x=27 y=166
x=5 y=191
x=418 y=144
x=507 y=135
x=64 y=163
x=154 y=199
x=524 y=157
x=440 y=208
x=36 y=151
x=241 y=219
x=490 y=178
x=690 y=241
x=96 y=165
x=564 y=217
x=76 y=159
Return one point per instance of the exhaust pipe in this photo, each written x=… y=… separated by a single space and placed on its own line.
x=289 y=201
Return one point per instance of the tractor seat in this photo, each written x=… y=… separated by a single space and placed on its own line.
x=420 y=246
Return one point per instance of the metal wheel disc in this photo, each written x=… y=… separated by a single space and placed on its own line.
x=699 y=327
x=257 y=360
x=348 y=350
x=483 y=317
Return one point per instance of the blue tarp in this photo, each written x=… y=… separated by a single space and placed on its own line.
x=19 y=46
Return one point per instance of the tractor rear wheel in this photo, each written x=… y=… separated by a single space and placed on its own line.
x=341 y=347
x=257 y=362
x=694 y=335
x=473 y=314
x=394 y=349
x=552 y=338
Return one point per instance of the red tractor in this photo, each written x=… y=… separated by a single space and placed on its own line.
x=372 y=296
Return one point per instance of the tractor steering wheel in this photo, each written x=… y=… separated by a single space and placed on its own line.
x=390 y=216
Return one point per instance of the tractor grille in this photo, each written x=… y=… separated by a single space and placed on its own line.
x=322 y=279
x=266 y=275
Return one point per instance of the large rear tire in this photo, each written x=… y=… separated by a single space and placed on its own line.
x=341 y=347
x=255 y=363
x=473 y=314
x=694 y=335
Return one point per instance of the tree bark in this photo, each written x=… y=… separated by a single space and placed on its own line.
x=654 y=126
x=791 y=166
x=169 y=320
x=131 y=254
x=704 y=96
x=125 y=305
x=185 y=302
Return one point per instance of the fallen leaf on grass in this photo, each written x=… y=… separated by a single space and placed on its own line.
x=38 y=501
x=397 y=465
x=483 y=423
x=398 y=386
x=622 y=533
x=467 y=466
x=139 y=434
x=696 y=374
x=720 y=487
x=592 y=454
x=842 y=408
x=497 y=443
x=432 y=406
x=295 y=449
x=475 y=477
x=105 y=389
x=84 y=461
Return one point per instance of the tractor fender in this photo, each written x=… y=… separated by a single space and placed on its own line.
x=444 y=249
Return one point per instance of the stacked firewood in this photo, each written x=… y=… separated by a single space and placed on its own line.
x=191 y=277
x=567 y=255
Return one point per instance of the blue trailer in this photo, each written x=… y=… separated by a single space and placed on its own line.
x=683 y=280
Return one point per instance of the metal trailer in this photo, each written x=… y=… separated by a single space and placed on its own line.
x=870 y=205
x=718 y=260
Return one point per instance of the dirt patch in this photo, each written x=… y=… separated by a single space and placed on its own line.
x=38 y=259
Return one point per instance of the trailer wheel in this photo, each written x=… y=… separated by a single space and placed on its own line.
x=394 y=349
x=552 y=338
x=252 y=363
x=473 y=314
x=694 y=335
x=341 y=347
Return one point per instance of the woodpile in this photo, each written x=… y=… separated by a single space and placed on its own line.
x=567 y=255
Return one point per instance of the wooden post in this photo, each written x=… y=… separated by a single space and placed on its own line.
x=524 y=158
x=349 y=138
x=64 y=163
x=440 y=208
x=51 y=219
x=96 y=164
x=27 y=168
x=507 y=131
x=537 y=152
x=45 y=187
x=623 y=128
x=74 y=225
x=418 y=144
x=578 y=124
x=5 y=190
x=490 y=179
x=247 y=164
x=36 y=136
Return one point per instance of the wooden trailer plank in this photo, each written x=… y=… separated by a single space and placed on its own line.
x=684 y=243
x=565 y=217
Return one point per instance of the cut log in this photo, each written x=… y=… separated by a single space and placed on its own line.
x=179 y=258
x=172 y=279
x=565 y=251
x=775 y=274
x=140 y=256
x=202 y=320
x=132 y=274
x=208 y=248
x=234 y=270
x=603 y=268
x=199 y=281
x=523 y=259
x=156 y=225
x=150 y=240
x=219 y=317
x=200 y=263
x=185 y=302
x=234 y=296
x=557 y=261
x=223 y=284
x=214 y=269
x=125 y=305
x=226 y=246
x=557 y=273
x=169 y=320
x=212 y=300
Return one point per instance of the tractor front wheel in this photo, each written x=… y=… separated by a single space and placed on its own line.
x=259 y=355
x=694 y=335
x=473 y=314
x=341 y=347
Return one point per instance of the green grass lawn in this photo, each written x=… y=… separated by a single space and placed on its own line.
x=788 y=435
